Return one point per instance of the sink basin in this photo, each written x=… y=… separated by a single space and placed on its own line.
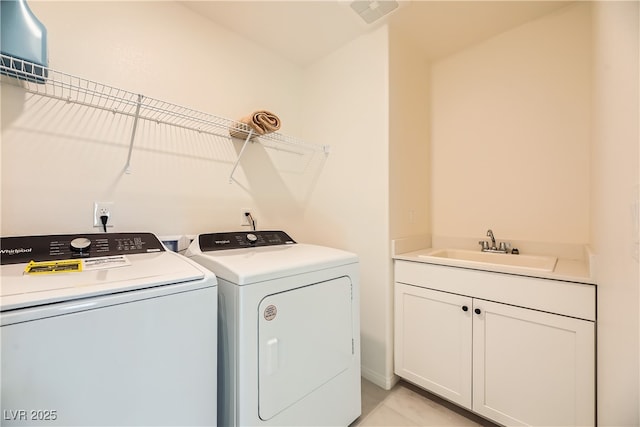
x=533 y=262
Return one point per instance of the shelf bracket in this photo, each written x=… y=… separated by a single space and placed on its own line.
x=127 y=167
x=235 y=166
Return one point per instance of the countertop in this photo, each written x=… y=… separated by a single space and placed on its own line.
x=571 y=270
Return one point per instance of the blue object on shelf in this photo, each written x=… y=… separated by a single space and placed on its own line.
x=23 y=38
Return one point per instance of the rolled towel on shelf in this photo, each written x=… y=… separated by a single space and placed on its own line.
x=261 y=122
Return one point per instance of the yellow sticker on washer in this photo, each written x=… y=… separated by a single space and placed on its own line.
x=49 y=267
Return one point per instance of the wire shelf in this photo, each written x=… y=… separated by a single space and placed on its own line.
x=50 y=83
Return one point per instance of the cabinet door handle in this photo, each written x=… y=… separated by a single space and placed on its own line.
x=477 y=311
x=465 y=308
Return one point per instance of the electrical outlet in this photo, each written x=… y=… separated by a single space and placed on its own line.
x=100 y=209
x=244 y=219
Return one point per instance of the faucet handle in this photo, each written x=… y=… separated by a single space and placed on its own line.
x=503 y=246
x=484 y=244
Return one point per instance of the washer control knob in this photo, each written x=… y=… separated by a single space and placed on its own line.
x=80 y=244
x=252 y=238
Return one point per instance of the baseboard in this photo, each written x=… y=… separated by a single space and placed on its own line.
x=382 y=381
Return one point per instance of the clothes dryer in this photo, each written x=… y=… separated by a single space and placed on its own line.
x=289 y=329
x=105 y=329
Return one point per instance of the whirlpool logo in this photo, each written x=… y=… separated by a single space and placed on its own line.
x=16 y=251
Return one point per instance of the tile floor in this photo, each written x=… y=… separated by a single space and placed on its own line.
x=408 y=405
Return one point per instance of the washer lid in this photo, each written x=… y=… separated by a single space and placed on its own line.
x=103 y=275
x=257 y=264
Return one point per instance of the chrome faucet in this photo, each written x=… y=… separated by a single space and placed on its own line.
x=493 y=239
x=491 y=247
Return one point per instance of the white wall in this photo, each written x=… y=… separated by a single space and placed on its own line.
x=510 y=134
x=347 y=105
x=616 y=140
x=409 y=124
x=57 y=159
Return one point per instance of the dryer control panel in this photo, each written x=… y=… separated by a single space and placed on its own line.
x=22 y=249
x=243 y=239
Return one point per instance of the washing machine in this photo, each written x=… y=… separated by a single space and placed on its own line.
x=289 y=329
x=105 y=329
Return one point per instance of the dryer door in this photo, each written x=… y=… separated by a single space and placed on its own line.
x=305 y=338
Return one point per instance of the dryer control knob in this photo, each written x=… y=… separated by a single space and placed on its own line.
x=252 y=238
x=80 y=244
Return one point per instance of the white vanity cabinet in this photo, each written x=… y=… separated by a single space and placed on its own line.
x=459 y=334
x=433 y=341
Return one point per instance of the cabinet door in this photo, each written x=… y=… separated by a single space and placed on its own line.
x=433 y=341
x=532 y=368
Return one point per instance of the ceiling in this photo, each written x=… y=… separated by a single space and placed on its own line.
x=305 y=31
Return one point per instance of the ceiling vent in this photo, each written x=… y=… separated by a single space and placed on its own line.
x=371 y=11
